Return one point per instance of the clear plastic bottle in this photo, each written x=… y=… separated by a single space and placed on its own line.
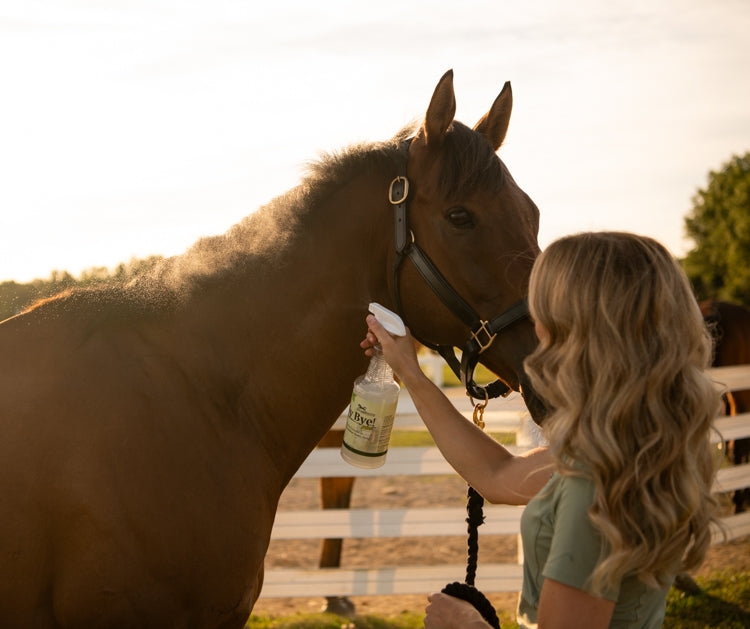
x=373 y=405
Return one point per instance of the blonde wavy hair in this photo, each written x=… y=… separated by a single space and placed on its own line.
x=621 y=367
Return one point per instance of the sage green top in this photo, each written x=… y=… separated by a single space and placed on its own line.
x=561 y=543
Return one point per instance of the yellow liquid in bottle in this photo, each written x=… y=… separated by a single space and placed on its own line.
x=369 y=424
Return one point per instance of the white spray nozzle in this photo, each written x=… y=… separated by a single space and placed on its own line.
x=389 y=320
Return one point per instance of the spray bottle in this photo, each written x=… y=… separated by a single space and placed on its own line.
x=373 y=405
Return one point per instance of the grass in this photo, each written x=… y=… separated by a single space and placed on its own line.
x=331 y=621
x=404 y=620
x=723 y=603
x=415 y=438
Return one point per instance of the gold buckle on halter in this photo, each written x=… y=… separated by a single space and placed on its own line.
x=490 y=337
x=403 y=195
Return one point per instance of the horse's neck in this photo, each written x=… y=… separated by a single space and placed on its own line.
x=291 y=336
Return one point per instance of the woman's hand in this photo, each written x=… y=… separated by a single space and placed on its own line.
x=399 y=351
x=449 y=612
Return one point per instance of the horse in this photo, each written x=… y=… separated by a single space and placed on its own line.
x=730 y=326
x=148 y=429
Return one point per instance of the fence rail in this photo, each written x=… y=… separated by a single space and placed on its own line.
x=509 y=415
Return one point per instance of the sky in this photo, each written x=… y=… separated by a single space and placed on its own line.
x=130 y=128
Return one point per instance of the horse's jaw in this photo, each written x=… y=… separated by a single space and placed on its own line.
x=536 y=406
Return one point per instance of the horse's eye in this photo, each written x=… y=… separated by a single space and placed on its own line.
x=461 y=217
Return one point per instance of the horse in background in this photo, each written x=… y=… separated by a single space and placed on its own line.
x=730 y=325
x=147 y=430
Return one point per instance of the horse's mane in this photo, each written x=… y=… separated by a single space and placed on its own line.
x=262 y=236
x=259 y=240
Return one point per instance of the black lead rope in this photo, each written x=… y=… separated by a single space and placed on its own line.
x=475 y=518
x=466 y=591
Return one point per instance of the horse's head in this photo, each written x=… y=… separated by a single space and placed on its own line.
x=477 y=228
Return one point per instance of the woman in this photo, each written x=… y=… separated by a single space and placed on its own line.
x=619 y=502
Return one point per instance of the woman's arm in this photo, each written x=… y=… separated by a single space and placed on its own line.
x=564 y=607
x=498 y=475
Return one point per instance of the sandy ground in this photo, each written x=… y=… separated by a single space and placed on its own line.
x=392 y=492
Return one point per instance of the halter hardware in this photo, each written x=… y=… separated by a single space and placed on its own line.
x=490 y=337
x=482 y=333
x=479 y=407
x=404 y=192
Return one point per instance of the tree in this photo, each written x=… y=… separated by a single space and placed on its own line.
x=15 y=297
x=719 y=224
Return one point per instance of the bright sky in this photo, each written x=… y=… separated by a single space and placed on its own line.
x=131 y=128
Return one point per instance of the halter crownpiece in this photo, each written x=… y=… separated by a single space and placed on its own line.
x=482 y=332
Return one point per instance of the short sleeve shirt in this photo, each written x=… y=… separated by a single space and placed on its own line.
x=561 y=543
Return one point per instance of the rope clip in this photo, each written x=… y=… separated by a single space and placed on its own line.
x=479 y=409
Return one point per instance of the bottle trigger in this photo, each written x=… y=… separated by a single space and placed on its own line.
x=388 y=319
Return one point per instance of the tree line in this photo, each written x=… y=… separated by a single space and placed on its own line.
x=718 y=266
x=15 y=297
x=719 y=225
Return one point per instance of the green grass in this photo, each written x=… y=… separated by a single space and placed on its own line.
x=405 y=620
x=723 y=603
x=482 y=375
x=332 y=621
x=414 y=438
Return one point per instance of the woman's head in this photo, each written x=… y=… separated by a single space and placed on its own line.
x=612 y=306
x=625 y=288
x=621 y=364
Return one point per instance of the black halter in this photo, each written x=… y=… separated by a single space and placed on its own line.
x=483 y=332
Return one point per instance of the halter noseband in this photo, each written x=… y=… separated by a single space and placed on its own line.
x=482 y=333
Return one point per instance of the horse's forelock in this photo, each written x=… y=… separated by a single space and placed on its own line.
x=468 y=163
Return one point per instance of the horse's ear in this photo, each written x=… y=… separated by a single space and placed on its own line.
x=441 y=110
x=494 y=124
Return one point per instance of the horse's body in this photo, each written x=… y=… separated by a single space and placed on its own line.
x=730 y=324
x=147 y=431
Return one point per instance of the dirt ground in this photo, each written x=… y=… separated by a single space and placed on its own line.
x=395 y=492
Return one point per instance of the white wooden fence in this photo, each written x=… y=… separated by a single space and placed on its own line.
x=501 y=415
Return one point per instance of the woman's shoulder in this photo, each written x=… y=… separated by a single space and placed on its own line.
x=576 y=485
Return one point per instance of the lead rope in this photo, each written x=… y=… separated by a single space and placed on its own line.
x=466 y=591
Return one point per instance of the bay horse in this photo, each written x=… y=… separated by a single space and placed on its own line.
x=730 y=326
x=147 y=430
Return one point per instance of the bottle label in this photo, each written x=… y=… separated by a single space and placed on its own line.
x=368 y=425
